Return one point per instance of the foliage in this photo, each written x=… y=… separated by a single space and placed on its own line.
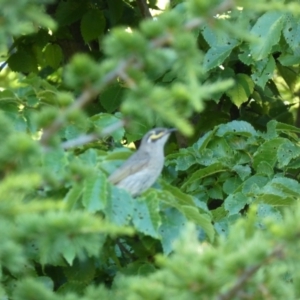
x=81 y=82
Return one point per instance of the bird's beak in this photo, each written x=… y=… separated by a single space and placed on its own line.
x=172 y=129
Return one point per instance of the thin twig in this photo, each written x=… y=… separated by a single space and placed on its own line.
x=88 y=138
x=144 y=9
x=88 y=94
x=247 y=274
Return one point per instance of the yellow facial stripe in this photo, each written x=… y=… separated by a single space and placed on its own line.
x=157 y=136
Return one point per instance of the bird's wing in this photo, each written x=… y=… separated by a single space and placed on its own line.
x=130 y=166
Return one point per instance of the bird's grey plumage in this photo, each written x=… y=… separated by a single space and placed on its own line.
x=141 y=170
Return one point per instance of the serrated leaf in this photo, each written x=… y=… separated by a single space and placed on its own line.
x=264 y=168
x=231 y=184
x=287 y=185
x=253 y=185
x=73 y=196
x=203 y=220
x=69 y=254
x=283 y=127
x=220 y=148
x=276 y=200
x=234 y=203
x=182 y=198
x=242 y=171
x=119 y=208
x=92 y=25
x=241 y=90
x=215 y=57
x=207 y=171
x=221 y=45
x=202 y=143
x=146 y=217
x=263 y=71
x=184 y=159
x=236 y=127
x=216 y=192
x=286 y=152
x=53 y=55
x=267 y=152
x=88 y=157
x=55 y=162
x=173 y=222
x=291 y=31
x=95 y=193
x=268 y=28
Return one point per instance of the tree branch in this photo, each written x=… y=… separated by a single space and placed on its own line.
x=86 y=96
x=87 y=138
x=247 y=274
x=120 y=71
x=144 y=9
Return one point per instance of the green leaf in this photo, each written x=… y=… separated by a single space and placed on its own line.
x=203 y=220
x=184 y=159
x=263 y=71
x=287 y=185
x=182 y=198
x=92 y=25
x=207 y=171
x=231 y=184
x=287 y=60
x=234 y=203
x=242 y=89
x=146 y=217
x=242 y=171
x=53 y=55
x=111 y=97
x=22 y=61
x=291 y=31
x=236 y=127
x=268 y=28
x=119 y=208
x=280 y=191
x=282 y=127
x=221 y=44
x=69 y=254
x=221 y=149
x=81 y=271
x=267 y=152
x=55 y=162
x=264 y=168
x=268 y=211
x=202 y=143
x=286 y=152
x=69 y=11
x=73 y=196
x=254 y=184
x=288 y=74
x=102 y=121
x=173 y=222
x=215 y=56
x=95 y=192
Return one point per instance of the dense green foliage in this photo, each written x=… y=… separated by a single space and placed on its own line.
x=81 y=82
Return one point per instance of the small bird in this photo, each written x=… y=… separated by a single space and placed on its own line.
x=141 y=169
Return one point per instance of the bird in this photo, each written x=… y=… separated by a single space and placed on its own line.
x=139 y=172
